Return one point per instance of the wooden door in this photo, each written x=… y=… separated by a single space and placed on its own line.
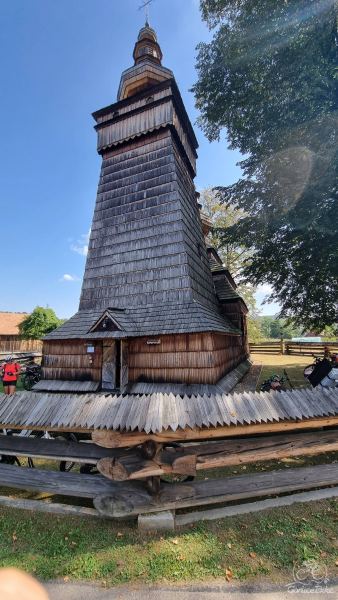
x=124 y=364
x=109 y=365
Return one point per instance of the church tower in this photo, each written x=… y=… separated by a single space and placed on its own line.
x=148 y=310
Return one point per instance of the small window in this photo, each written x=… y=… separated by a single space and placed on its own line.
x=107 y=324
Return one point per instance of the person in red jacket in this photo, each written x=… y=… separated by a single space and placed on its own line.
x=10 y=372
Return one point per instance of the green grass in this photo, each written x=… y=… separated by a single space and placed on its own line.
x=250 y=546
x=274 y=364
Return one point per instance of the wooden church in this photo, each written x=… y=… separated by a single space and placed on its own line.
x=156 y=305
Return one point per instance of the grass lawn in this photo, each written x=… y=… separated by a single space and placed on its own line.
x=245 y=548
x=274 y=364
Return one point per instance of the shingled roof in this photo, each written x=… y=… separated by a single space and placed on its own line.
x=10 y=321
x=126 y=412
x=225 y=286
x=143 y=321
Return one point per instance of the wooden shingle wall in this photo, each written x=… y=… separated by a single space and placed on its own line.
x=14 y=343
x=69 y=360
x=197 y=258
x=185 y=358
x=146 y=236
x=236 y=313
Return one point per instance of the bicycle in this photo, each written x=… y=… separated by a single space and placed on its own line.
x=275 y=383
x=323 y=371
x=31 y=376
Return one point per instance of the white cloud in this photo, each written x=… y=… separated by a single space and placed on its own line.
x=81 y=245
x=68 y=277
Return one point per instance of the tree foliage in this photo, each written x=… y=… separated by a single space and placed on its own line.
x=269 y=77
x=40 y=322
x=234 y=256
x=272 y=327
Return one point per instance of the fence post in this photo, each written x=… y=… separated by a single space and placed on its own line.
x=281 y=345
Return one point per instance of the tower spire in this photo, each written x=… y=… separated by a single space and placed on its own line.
x=146 y=5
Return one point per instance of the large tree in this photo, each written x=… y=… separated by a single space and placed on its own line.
x=269 y=78
x=233 y=255
x=40 y=322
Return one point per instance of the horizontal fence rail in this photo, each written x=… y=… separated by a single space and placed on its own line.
x=310 y=348
x=293 y=348
x=268 y=347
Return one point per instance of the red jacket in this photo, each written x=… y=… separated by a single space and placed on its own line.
x=10 y=372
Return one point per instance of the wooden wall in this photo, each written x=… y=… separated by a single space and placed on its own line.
x=182 y=358
x=69 y=360
x=14 y=343
x=185 y=358
x=236 y=312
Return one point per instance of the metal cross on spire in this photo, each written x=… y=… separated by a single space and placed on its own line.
x=146 y=5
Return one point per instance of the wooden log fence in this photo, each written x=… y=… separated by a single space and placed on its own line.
x=131 y=498
x=267 y=347
x=310 y=348
x=188 y=459
x=293 y=348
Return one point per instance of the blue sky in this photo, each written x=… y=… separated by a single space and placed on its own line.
x=61 y=60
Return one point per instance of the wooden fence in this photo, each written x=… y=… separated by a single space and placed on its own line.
x=13 y=343
x=310 y=348
x=267 y=347
x=293 y=348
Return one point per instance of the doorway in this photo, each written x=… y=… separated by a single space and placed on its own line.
x=113 y=370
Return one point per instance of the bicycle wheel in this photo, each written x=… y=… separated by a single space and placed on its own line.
x=28 y=382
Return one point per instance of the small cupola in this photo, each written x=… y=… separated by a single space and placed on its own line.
x=147 y=69
x=147 y=46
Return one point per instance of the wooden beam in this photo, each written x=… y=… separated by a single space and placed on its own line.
x=55 y=449
x=187 y=460
x=131 y=498
x=214 y=491
x=49 y=507
x=118 y=439
x=55 y=482
x=250 y=507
